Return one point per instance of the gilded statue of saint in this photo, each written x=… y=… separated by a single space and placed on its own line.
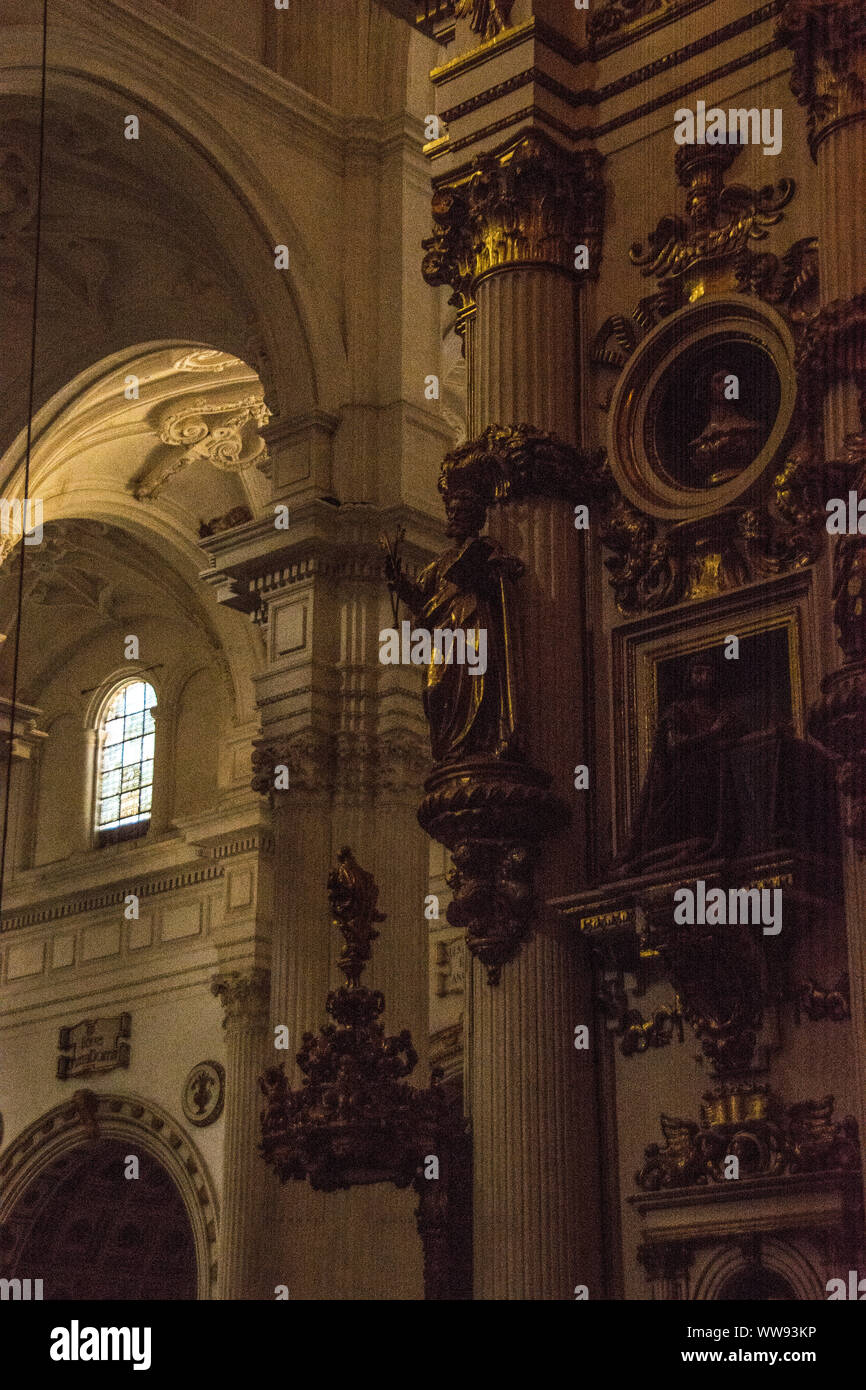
x=686 y=806
x=729 y=441
x=470 y=705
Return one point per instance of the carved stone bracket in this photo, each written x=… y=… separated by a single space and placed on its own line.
x=487 y=18
x=205 y=430
x=834 y=351
x=828 y=38
x=356 y=1121
x=819 y=1004
x=611 y=16
x=749 y=1123
x=529 y=204
x=494 y=818
x=717 y=973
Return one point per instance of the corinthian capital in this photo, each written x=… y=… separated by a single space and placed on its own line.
x=300 y=762
x=244 y=994
x=828 y=38
x=534 y=202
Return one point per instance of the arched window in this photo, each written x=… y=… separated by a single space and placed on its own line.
x=124 y=782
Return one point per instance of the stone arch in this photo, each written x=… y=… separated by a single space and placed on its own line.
x=298 y=321
x=69 y=492
x=779 y=1256
x=88 y=1116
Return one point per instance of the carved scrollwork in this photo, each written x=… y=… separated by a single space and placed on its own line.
x=223 y=434
x=720 y=219
x=749 y=1123
x=493 y=817
x=638 y=1034
x=487 y=18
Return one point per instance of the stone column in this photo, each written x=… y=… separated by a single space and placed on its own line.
x=244 y=996
x=506 y=239
x=828 y=38
x=829 y=80
x=165 y=725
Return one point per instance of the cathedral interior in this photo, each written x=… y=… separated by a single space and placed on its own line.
x=431 y=434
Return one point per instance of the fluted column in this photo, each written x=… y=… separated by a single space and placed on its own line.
x=829 y=72
x=244 y=996
x=829 y=43
x=506 y=240
x=537 y=385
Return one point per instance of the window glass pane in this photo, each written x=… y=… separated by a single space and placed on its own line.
x=114 y=731
x=134 y=726
x=125 y=770
x=111 y=755
x=115 y=708
x=135 y=697
x=110 y=783
x=131 y=777
x=132 y=751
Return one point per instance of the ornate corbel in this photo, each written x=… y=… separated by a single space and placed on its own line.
x=508 y=463
x=204 y=430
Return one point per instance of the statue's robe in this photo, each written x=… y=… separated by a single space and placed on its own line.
x=468 y=715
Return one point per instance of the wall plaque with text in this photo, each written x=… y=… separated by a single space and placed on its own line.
x=94 y=1045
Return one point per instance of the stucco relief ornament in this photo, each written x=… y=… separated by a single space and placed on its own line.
x=487 y=18
x=229 y=441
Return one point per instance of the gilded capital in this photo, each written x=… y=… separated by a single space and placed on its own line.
x=244 y=994
x=533 y=203
x=828 y=39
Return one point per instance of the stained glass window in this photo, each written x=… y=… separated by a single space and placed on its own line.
x=124 y=787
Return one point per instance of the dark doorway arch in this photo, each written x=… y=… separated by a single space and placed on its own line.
x=756 y=1284
x=93 y=1233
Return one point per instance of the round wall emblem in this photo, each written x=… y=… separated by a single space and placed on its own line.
x=703 y=408
x=204 y=1093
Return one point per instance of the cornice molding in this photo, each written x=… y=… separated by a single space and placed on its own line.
x=596 y=97
x=113 y=895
